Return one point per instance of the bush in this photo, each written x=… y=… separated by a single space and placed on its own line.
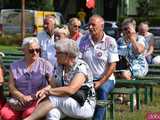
x=11 y=39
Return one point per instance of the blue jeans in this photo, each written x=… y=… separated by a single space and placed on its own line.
x=102 y=94
x=149 y=59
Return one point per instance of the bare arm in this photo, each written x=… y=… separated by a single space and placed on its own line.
x=72 y=88
x=139 y=48
x=50 y=80
x=14 y=92
x=45 y=106
x=1 y=76
x=41 y=93
x=150 y=49
x=132 y=37
x=106 y=75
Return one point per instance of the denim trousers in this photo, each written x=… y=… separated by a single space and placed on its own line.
x=102 y=94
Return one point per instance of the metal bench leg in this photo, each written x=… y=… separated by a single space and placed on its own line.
x=146 y=95
x=131 y=102
x=112 y=108
x=138 y=105
x=151 y=93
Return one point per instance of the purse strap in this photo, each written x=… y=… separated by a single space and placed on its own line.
x=63 y=74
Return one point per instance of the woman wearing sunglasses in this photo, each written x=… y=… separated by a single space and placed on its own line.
x=71 y=75
x=132 y=47
x=74 y=29
x=29 y=77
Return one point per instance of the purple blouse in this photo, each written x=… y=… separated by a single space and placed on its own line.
x=29 y=82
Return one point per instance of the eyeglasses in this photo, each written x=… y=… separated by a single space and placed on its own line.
x=60 y=53
x=76 y=26
x=37 y=50
x=125 y=28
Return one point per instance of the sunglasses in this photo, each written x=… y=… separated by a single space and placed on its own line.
x=37 y=50
x=125 y=28
x=76 y=26
x=60 y=53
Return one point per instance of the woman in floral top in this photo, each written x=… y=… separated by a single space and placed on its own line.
x=132 y=47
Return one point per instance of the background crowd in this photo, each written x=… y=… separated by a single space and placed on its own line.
x=62 y=60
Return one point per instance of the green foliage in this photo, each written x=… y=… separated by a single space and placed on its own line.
x=10 y=4
x=10 y=40
x=4 y=48
x=46 y=5
x=144 y=8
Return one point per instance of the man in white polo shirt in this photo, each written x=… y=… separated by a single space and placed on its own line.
x=100 y=52
x=46 y=39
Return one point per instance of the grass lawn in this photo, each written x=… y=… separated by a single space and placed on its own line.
x=122 y=111
x=9 y=48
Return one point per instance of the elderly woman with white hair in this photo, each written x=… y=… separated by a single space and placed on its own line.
x=74 y=95
x=29 y=77
x=61 y=33
x=74 y=29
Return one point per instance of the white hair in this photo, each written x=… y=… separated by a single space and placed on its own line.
x=74 y=20
x=29 y=40
x=100 y=18
x=68 y=46
x=63 y=30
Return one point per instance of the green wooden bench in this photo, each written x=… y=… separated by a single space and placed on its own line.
x=6 y=61
x=151 y=81
x=12 y=56
x=126 y=90
x=147 y=85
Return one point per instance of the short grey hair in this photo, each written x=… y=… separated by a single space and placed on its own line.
x=29 y=40
x=129 y=21
x=98 y=17
x=74 y=20
x=50 y=17
x=68 y=46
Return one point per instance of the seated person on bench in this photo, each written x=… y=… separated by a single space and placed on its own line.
x=28 y=76
x=132 y=47
x=2 y=99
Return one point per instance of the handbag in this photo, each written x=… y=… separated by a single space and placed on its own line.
x=81 y=95
x=2 y=98
x=122 y=64
x=17 y=105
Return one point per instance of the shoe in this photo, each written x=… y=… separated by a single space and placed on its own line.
x=119 y=100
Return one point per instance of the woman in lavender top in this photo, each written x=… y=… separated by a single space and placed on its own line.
x=29 y=77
